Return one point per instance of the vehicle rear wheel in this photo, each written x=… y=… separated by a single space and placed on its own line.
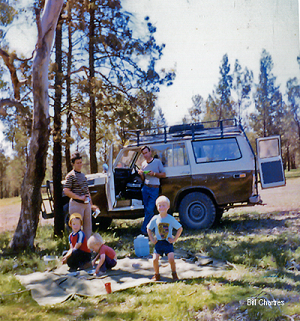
x=197 y=211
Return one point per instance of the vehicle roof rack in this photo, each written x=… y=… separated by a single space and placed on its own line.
x=215 y=128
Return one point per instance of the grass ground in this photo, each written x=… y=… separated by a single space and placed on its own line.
x=262 y=251
x=293 y=173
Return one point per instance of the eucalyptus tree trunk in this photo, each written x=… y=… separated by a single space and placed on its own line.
x=38 y=145
x=57 y=136
x=93 y=158
x=68 y=83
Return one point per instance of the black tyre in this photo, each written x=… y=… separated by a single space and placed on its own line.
x=101 y=223
x=197 y=211
x=219 y=214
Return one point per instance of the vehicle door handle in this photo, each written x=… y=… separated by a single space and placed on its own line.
x=242 y=175
x=185 y=172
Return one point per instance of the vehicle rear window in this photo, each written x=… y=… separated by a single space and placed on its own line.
x=216 y=150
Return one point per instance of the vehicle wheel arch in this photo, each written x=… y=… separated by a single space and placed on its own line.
x=187 y=191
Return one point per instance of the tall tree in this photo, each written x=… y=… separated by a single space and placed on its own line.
x=15 y=109
x=15 y=101
x=123 y=67
x=223 y=90
x=219 y=104
x=3 y=167
x=69 y=139
x=57 y=134
x=161 y=119
x=7 y=15
x=268 y=100
x=197 y=109
x=38 y=145
x=293 y=93
x=289 y=139
x=242 y=84
x=92 y=100
x=292 y=123
x=212 y=106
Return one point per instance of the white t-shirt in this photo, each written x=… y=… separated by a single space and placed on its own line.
x=163 y=226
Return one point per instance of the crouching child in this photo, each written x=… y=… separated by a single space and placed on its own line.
x=163 y=224
x=108 y=257
x=79 y=255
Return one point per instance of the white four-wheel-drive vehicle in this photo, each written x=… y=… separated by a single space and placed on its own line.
x=210 y=167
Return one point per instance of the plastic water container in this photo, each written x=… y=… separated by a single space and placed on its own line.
x=141 y=246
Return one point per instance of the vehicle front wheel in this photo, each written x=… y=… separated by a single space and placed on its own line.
x=219 y=214
x=197 y=211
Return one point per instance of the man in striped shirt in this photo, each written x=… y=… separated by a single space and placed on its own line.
x=76 y=188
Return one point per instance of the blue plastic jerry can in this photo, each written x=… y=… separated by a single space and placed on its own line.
x=141 y=246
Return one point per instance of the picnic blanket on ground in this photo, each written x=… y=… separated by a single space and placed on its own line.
x=48 y=288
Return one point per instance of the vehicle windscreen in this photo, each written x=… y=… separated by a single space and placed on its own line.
x=127 y=159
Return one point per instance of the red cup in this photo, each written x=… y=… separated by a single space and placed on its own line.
x=108 y=287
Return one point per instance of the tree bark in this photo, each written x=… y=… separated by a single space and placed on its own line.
x=93 y=157
x=57 y=136
x=69 y=98
x=38 y=145
x=9 y=62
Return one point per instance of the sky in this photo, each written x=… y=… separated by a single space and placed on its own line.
x=197 y=34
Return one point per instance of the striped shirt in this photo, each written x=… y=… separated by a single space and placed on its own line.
x=79 y=237
x=77 y=183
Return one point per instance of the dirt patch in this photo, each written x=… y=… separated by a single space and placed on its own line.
x=284 y=201
x=280 y=213
x=285 y=198
x=9 y=217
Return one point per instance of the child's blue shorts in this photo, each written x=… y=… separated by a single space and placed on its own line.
x=163 y=247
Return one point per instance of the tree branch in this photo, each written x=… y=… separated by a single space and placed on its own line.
x=10 y=103
x=39 y=29
x=9 y=62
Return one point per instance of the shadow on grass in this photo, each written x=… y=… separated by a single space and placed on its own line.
x=125 y=227
x=271 y=282
x=253 y=223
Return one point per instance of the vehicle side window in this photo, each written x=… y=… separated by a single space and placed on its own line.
x=172 y=154
x=216 y=150
x=180 y=157
x=164 y=153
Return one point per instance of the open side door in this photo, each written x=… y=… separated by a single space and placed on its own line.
x=110 y=184
x=270 y=162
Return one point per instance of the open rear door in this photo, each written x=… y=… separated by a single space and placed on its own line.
x=110 y=184
x=270 y=162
